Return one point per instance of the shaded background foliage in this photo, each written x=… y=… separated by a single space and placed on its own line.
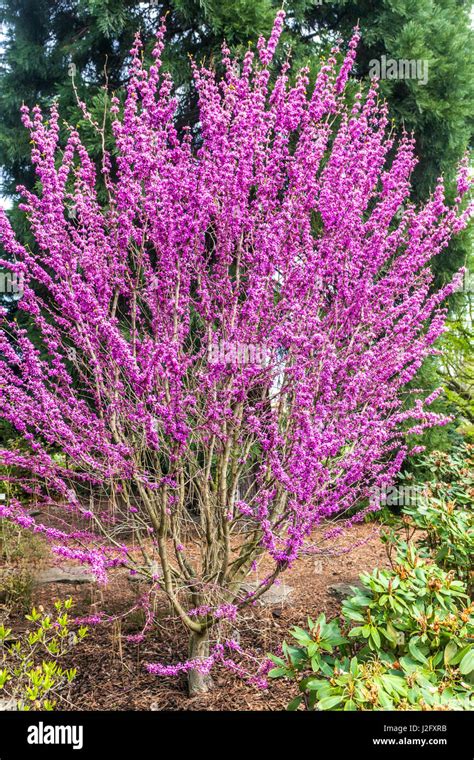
x=49 y=45
x=43 y=39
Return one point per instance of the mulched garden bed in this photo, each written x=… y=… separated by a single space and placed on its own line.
x=111 y=673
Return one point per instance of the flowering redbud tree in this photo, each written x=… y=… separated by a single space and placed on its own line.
x=223 y=344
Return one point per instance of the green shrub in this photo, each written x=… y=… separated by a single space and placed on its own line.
x=416 y=602
x=20 y=552
x=16 y=586
x=31 y=677
x=405 y=643
x=19 y=546
x=446 y=514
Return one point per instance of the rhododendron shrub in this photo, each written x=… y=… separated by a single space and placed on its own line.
x=223 y=345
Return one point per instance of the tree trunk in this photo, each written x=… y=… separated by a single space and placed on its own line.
x=198 y=683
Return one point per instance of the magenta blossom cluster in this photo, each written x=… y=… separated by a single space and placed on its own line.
x=248 y=669
x=281 y=220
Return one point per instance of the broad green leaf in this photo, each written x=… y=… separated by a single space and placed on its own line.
x=329 y=702
x=467 y=663
x=294 y=704
x=449 y=652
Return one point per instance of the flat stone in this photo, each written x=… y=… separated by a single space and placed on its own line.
x=65 y=574
x=344 y=590
x=274 y=595
x=154 y=569
x=8 y=705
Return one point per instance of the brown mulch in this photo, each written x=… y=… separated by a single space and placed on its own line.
x=111 y=673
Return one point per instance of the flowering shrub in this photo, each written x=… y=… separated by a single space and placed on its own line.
x=446 y=514
x=410 y=648
x=414 y=604
x=30 y=675
x=282 y=224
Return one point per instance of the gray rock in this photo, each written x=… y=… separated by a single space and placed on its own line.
x=8 y=705
x=274 y=595
x=154 y=569
x=344 y=590
x=65 y=574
